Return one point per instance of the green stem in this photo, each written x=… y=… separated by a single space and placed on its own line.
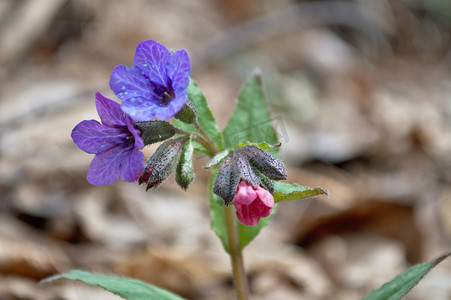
x=236 y=256
x=239 y=275
x=207 y=145
x=212 y=145
x=204 y=142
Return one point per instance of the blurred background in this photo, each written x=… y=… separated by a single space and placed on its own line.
x=360 y=92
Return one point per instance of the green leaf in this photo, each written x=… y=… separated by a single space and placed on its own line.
x=186 y=127
x=404 y=282
x=218 y=223
x=126 y=288
x=187 y=114
x=204 y=116
x=263 y=146
x=293 y=191
x=251 y=119
x=199 y=148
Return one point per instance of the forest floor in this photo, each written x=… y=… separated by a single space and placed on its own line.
x=361 y=98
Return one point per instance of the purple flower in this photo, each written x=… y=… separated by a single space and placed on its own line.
x=155 y=86
x=115 y=143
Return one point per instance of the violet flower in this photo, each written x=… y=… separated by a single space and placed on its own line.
x=115 y=143
x=252 y=204
x=155 y=86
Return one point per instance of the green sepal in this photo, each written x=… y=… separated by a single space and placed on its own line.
x=185 y=171
x=218 y=158
x=293 y=191
x=155 y=131
x=227 y=179
x=127 y=288
x=266 y=163
x=187 y=114
x=263 y=146
x=266 y=182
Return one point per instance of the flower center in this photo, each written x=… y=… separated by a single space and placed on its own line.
x=166 y=97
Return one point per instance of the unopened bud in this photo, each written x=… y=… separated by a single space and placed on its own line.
x=244 y=169
x=163 y=162
x=226 y=182
x=234 y=168
x=264 y=162
x=187 y=114
x=185 y=172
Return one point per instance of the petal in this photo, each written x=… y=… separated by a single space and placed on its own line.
x=173 y=107
x=245 y=194
x=109 y=111
x=265 y=196
x=132 y=165
x=105 y=167
x=93 y=137
x=245 y=216
x=129 y=82
x=178 y=69
x=139 y=143
x=139 y=109
x=152 y=57
x=259 y=209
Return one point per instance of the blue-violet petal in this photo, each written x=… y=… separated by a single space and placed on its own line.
x=178 y=69
x=93 y=137
x=109 y=111
x=132 y=165
x=151 y=58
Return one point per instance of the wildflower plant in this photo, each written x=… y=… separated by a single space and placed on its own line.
x=246 y=174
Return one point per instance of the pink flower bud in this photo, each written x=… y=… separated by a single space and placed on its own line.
x=252 y=203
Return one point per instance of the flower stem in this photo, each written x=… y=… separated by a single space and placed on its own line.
x=212 y=145
x=203 y=141
x=239 y=275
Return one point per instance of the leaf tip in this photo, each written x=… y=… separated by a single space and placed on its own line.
x=324 y=191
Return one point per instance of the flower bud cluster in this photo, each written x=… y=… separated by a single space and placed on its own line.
x=172 y=154
x=248 y=163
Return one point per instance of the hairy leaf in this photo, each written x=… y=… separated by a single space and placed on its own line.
x=293 y=191
x=251 y=119
x=404 y=282
x=126 y=288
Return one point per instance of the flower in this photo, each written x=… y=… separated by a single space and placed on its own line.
x=252 y=203
x=155 y=86
x=115 y=143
